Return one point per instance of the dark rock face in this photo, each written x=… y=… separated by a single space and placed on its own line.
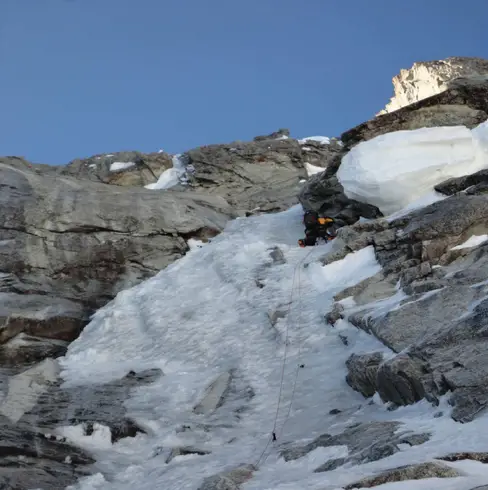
x=464 y=103
x=366 y=443
x=325 y=194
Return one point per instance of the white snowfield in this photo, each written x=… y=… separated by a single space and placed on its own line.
x=207 y=315
x=207 y=319
x=393 y=170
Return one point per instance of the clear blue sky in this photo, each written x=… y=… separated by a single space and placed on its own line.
x=79 y=77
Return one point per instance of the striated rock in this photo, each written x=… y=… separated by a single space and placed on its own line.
x=362 y=371
x=399 y=380
x=366 y=443
x=412 y=472
x=463 y=104
x=229 y=480
x=427 y=78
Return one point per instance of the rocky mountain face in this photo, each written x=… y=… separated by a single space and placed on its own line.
x=428 y=78
x=72 y=237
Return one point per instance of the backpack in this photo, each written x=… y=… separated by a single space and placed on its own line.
x=310 y=218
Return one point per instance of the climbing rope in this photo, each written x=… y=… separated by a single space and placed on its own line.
x=273 y=437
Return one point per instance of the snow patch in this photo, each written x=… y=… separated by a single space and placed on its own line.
x=100 y=438
x=195 y=244
x=312 y=169
x=471 y=242
x=319 y=139
x=117 y=166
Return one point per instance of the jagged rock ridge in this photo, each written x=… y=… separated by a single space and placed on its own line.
x=427 y=78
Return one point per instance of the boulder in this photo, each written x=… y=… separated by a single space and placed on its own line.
x=362 y=371
x=404 y=473
x=229 y=480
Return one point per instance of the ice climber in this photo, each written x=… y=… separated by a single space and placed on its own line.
x=318 y=227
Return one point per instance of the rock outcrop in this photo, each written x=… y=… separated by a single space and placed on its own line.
x=436 y=322
x=427 y=78
x=324 y=193
x=262 y=175
x=128 y=168
x=365 y=442
x=464 y=103
x=68 y=246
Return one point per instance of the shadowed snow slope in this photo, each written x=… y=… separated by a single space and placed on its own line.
x=393 y=170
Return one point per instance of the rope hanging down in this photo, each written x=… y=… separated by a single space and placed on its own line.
x=273 y=437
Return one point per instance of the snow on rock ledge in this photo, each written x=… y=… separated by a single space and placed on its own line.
x=429 y=78
x=394 y=170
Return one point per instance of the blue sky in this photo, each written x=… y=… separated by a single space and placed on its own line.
x=79 y=77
